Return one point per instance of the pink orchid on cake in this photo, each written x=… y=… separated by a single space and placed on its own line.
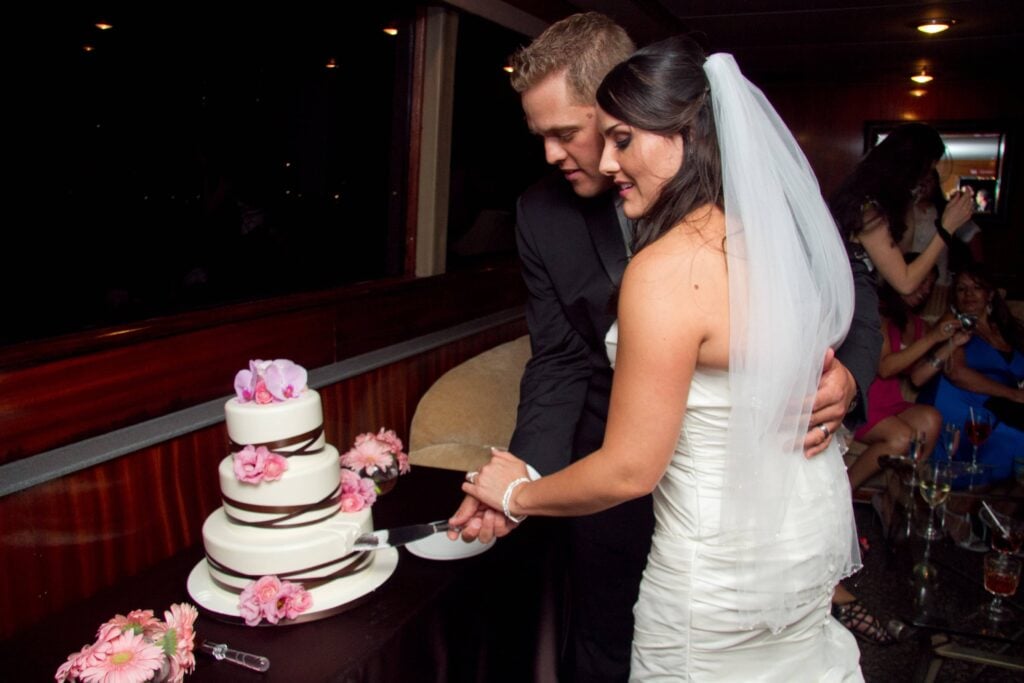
x=270 y=381
x=379 y=456
x=137 y=647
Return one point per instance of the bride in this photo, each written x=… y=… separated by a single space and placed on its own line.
x=739 y=285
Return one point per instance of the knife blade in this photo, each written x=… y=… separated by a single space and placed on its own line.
x=399 y=536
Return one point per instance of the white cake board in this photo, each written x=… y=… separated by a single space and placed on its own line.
x=328 y=600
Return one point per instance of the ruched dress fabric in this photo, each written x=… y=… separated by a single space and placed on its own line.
x=687 y=624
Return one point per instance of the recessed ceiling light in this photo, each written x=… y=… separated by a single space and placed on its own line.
x=331 y=63
x=104 y=26
x=918 y=92
x=508 y=68
x=933 y=26
x=391 y=30
x=923 y=77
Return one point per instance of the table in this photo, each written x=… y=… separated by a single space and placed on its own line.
x=418 y=626
x=942 y=605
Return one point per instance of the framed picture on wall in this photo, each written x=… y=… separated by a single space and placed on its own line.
x=976 y=154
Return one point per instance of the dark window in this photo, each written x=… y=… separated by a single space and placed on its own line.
x=183 y=159
x=493 y=157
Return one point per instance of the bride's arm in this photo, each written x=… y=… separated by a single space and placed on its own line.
x=672 y=305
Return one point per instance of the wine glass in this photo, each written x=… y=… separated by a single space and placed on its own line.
x=950 y=439
x=978 y=428
x=1007 y=533
x=1002 y=575
x=934 y=481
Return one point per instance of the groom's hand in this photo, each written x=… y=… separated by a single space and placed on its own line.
x=474 y=520
x=835 y=393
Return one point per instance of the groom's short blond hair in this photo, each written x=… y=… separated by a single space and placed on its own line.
x=585 y=46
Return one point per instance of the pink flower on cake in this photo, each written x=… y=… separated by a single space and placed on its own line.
x=137 y=647
x=266 y=589
x=294 y=600
x=254 y=464
x=356 y=492
x=270 y=381
x=272 y=599
x=274 y=466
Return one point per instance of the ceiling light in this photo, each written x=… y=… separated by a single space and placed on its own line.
x=331 y=63
x=918 y=92
x=391 y=30
x=104 y=26
x=922 y=78
x=508 y=68
x=933 y=26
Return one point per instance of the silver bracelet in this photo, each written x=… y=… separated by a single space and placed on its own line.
x=508 y=496
x=935 y=362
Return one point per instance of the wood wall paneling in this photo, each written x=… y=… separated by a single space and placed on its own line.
x=64 y=393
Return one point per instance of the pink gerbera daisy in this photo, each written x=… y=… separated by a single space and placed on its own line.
x=368 y=455
x=181 y=617
x=130 y=660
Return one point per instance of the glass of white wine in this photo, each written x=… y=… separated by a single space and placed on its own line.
x=934 y=482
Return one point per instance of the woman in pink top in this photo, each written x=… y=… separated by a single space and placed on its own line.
x=893 y=422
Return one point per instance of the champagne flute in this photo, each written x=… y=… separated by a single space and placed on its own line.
x=978 y=428
x=950 y=439
x=1002 y=576
x=935 y=481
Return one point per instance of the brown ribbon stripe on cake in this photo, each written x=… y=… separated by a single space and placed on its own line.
x=309 y=437
x=360 y=561
x=287 y=512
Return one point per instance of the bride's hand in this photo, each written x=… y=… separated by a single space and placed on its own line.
x=494 y=477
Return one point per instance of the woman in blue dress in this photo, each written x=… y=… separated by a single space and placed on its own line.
x=988 y=367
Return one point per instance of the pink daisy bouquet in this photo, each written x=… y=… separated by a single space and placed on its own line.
x=137 y=647
x=379 y=456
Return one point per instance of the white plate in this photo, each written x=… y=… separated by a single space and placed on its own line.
x=438 y=547
x=328 y=599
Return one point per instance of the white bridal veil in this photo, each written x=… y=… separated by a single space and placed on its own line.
x=790 y=298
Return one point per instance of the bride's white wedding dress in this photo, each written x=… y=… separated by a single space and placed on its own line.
x=687 y=624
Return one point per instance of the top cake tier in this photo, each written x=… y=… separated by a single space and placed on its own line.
x=273 y=423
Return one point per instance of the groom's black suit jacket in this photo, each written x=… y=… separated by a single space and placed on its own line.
x=573 y=256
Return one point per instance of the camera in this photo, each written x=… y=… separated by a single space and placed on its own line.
x=966 y=321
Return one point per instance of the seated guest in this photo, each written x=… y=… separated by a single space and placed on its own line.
x=893 y=422
x=984 y=374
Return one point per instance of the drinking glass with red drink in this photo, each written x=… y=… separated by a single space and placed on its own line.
x=978 y=427
x=1002 y=576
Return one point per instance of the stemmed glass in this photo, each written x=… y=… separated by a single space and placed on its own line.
x=1002 y=575
x=935 y=481
x=1007 y=533
x=950 y=439
x=978 y=428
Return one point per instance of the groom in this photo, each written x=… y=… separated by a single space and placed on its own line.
x=572 y=239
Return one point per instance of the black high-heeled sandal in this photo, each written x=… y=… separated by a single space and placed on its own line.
x=861 y=623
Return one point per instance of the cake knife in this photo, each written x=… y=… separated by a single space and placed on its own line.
x=393 y=538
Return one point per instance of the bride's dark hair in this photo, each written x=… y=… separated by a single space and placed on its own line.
x=662 y=88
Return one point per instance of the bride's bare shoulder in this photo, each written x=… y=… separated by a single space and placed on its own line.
x=698 y=238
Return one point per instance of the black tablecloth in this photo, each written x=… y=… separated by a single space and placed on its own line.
x=431 y=621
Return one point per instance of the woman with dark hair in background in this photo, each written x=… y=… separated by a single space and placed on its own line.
x=923 y=222
x=872 y=205
x=984 y=374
